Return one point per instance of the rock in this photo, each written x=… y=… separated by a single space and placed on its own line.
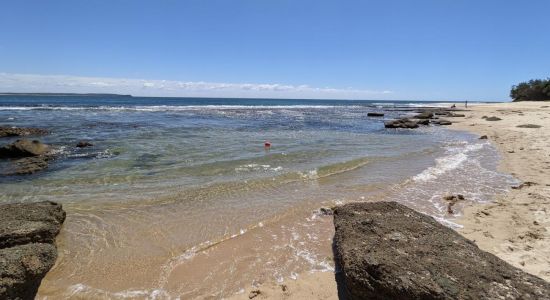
x=453 y=115
x=442 y=122
x=22 y=269
x=425 y=115
x=375 y=114
x=24 y=148
x=15 y=131
x=529 y=126
x=452 y=199
x=326 y=211
x=401 y=123
x=254 y=293
x=83 y=144
x=483 y=137
x=493 y=119
x=423 y=122
x=22 y=223
x=524 y=184
x=27 y=250
x=388 y=251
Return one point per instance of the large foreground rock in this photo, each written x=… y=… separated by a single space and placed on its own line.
x=388 y=251
x=27 y=250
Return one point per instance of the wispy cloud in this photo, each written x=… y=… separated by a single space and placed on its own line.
x=10 y=82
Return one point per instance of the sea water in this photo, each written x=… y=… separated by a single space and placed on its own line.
x=179 y=198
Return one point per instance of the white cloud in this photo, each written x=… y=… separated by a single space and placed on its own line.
x=10 y=82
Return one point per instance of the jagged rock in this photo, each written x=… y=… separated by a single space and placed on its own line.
x=401 y=123
x=326 y=211
x=375 y=114
x=16 y=131
x=22 y=269
x=27 y=252
x=83 y=144
x=22 y=223
x=23 y=148
x=388 y=251
x=424 y=115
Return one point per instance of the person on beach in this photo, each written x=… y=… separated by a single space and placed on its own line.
x=466 y=104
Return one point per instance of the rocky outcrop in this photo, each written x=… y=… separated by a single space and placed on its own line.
x=424 y=115
x=27 y=250
x=388 y=251
x=24 y=148
x=442 y=122
x=26 y=156
x=16 y=131
x=401 y=123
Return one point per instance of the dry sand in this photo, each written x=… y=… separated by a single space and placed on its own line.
x=515 y=226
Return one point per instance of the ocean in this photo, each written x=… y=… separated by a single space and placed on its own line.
x=179 y=198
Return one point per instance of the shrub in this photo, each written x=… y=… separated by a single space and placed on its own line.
x=533 y=90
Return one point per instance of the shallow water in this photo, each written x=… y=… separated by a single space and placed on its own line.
x=179 y=198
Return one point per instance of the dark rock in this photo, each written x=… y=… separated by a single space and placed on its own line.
x=401 y=123
x=22 y=269
x=22 y=223
x=24 y=148
x=529 y=126
x=375 y=114
x=254 y=293
x=493 y=118
x=15 y=131
x=402 y=254
x=423 y=122
x=326 y=211
x=83 y=144
x=425 y=115
x=524 y=184
x=483 y=137
x=452 y=115
x=27 y=252
x=452 y=200
x=442 y=122
x=28 y=165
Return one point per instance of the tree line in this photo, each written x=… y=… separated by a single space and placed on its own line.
x=532 y=90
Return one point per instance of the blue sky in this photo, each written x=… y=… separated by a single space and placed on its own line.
x=425 y=49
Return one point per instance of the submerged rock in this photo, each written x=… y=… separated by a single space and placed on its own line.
x=27 y=252
x=375 y=114
x=24 y=148
x=388 y=251
x=83 y=144
x=16 y=131
x=401 y=123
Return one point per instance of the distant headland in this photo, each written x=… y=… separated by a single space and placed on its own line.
x=64 y=94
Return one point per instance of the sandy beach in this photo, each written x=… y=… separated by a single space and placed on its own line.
x=514 y=226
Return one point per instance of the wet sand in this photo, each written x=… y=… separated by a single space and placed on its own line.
x=514 y=226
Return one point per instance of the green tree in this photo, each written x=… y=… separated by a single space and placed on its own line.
x=533 y=90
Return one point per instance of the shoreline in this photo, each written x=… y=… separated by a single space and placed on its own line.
x=514 y=226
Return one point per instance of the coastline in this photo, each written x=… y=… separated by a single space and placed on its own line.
x=513 y=226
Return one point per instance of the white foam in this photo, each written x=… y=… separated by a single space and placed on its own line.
x=456 y=156
x=87 y=291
